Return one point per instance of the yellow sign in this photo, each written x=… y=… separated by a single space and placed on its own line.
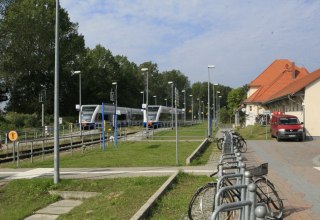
x=13 y=135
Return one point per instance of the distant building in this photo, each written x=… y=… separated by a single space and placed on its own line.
x=287 y=88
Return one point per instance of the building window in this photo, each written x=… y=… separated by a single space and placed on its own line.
x=250 y=108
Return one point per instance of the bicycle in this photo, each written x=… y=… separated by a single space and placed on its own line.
x=238 y=142
x=202 y=203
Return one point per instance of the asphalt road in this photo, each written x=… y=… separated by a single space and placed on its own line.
x=294 y=167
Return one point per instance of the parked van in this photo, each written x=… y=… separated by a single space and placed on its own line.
x=286 y=127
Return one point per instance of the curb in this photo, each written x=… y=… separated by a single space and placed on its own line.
x=196 y=151
x=143 y=211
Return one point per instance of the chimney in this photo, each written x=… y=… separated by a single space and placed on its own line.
x=293 y=70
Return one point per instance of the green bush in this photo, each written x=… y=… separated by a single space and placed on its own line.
x=20 y=120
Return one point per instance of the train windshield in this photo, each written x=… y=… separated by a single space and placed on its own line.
x=86 y=116
x=152 y=113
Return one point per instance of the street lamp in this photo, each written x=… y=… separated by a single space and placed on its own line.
x=219 y=109
x=170 y=82
x=202 y=110
x=56 y=176
x=155 y=99
x=209 y=117
x=142 y=92
x=166 y=102
x=80 y=110
x=115 y=121
x=216 y=108
x=191 y=108
x=147 y=98
x=199 y=109
x=184 y=105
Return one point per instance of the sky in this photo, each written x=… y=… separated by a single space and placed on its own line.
x=241 y=38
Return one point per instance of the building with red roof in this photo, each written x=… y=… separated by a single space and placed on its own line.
x=287 y=88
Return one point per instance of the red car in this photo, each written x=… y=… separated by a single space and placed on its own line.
x=286 y=127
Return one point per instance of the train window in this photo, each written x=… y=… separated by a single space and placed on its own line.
x=89 y=108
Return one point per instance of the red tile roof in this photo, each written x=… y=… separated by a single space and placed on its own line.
x=297 y=85
x=274 y=79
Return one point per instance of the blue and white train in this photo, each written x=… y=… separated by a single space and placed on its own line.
x=91 y=116
x=159 y=115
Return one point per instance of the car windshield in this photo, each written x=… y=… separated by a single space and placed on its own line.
x=289 y=121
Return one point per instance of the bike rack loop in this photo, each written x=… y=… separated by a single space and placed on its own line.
x=249 y=202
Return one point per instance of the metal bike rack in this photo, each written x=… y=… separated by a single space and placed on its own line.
x=247 y=204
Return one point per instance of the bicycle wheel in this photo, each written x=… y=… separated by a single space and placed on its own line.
x=267 y=195
x=242 y=146
x=201 y=205
x=220 y=143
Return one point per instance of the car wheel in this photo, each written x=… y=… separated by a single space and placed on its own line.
x=278 y=139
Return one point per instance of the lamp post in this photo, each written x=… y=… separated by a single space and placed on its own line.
x=115 y=121
x=202 y=110
x=216 y=109
x=155 y=99
x=184 y=106
x=199 y=109
x=142 y=92
x=80 y=110
x=209 y=117
x=166 y=102
x=171 y=83
x=191 y=107
x=219 y=108
x=147 y=98
x=56 y=175
x=214 y=105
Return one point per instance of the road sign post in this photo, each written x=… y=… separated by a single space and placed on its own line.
x=13 y=136
x=266 y=113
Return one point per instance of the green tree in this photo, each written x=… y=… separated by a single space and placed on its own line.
x=235 y=99
x=27 y=43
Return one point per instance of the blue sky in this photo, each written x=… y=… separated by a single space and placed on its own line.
x=241 y=38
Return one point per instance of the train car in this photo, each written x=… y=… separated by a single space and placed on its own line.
x=159 y=115
x=91 y=116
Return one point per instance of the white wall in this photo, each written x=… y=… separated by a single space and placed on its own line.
x=312 y=109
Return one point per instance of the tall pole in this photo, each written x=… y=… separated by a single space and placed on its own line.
x=199 y=109
x=155 y=99
x=176 y=124
x=147 y=98
x=80 y=105
x=184 y=106
x=170 y=82
x=209 y=117
x=213 y=105
x=209 y=114
x=191 y=108
x=56 y=99
x=115 y=116
x=142 y=92
x=216 y=108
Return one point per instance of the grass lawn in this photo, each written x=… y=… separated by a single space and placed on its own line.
x=255 y=132
x=128 y=154
x=120 y=197
x=174 y=204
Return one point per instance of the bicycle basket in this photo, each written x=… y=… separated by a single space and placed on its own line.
x=260 y=170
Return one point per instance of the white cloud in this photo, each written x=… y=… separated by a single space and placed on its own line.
x=240 y=38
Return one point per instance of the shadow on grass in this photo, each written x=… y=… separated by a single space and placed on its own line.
x=154 y=146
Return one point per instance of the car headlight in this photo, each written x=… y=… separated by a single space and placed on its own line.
x=300 y=130
x=282 y=130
